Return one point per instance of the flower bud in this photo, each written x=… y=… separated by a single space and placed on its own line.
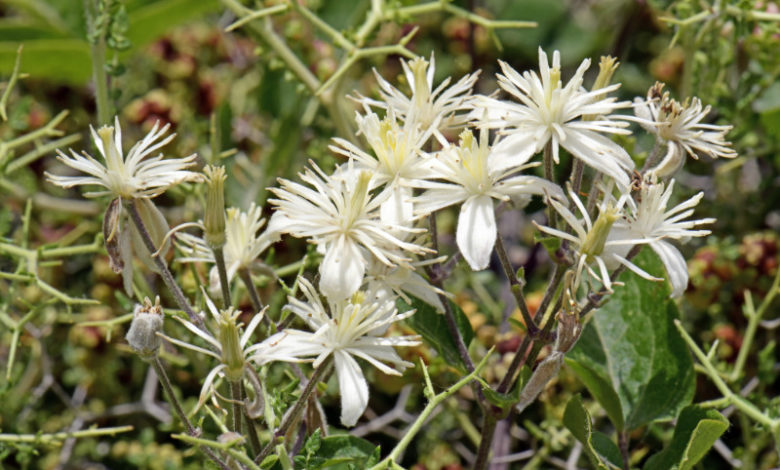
x=147 y=322
x=230 y=343
x=214 y=219
x=597 y=236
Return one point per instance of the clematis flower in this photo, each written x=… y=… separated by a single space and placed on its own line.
x=347 y=329
x=436 y=109
x=679 y=124
x=399 y=160
x=563 y=116
x=131 y=177
x=226 y=346
x=341 y=216
x=243 y=243
x=135 y=176
x=651 y=221
x=598 y=244
x=472 y=176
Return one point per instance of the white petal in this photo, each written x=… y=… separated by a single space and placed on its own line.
x=398 y=208
x=342 y=269
x=352 y=386
x=676 y=269
x=477 y=231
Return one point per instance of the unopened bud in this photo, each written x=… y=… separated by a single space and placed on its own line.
x=147 y=322
x=230 y=343
x=597 y=237
x=214 y=219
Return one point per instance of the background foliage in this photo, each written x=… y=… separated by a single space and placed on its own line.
x=69 y=369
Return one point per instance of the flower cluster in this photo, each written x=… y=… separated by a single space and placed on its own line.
x=422 y=152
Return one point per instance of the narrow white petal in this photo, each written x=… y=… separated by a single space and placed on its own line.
x=676 y=269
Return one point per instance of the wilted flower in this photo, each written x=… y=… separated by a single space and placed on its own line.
x=147 y=323
x=566 y=116
x=679 y=124
x=352 y=329
x=473 y=176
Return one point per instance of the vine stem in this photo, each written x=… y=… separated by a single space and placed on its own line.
x=254 y=297
x=292 y=416
x=516 y=287
x=170 y=282
x=434 y=400
x=549 y=175
x=219 y=257
x=191 y=430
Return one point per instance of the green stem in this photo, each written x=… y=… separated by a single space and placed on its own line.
x=549 y=175
x=61 y=436
x=219 y=258
x=743 y=405
x=98 y=51
x=435 y=400
x=226 y=447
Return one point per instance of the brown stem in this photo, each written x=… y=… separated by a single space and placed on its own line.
x=191 y=430
x=254 y=297
x=623 y=444
x=293 y=415
x=486 y=441
x=254 y=440
x=516 y=287
x=236 y=397
x=165 y=273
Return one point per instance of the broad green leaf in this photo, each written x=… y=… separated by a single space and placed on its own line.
x=601 y=390
x=632 y=345
x=696 y=431
x=343 y=451
x=432 y=326
x=64 y=60
x=151 y=21
x=577 y=420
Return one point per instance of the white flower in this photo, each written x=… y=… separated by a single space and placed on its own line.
x=244 y=242
x=402 y=281
x=547 y=112
x=352 y=330
x=133 y=176
x=441 y=108
x=232 y=352
x=399 y=161
x=680 y=125
x=651 y=221
x=341 y=216
x=474 y=177
x=603 y=242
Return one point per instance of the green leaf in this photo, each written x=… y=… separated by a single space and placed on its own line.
x=696 y=431
x=432 y=326
x=339 y=452
x=601 y=390
x=631 y=345
x=577 y=420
